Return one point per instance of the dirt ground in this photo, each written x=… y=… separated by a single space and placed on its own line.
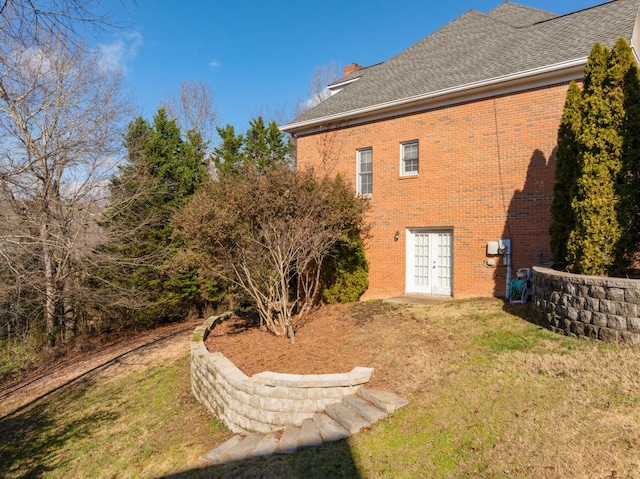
x=324 y=344
x=337 y=338
x=405 y=349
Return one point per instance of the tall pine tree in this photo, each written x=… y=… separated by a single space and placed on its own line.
x=566 y=174
x=597 y=231
x=164 y=170
x=595 y=172
x=630 y=185
x=261 y=148
x=228 y=156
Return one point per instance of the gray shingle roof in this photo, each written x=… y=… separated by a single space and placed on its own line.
x=519 y=15
x=477 y=47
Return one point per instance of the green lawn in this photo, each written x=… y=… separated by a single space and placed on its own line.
x=491 y=396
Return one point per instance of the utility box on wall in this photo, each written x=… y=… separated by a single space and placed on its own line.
x=499 y=247
x=504 y=247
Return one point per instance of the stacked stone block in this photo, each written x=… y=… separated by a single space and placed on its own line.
x=587 y=307
x=267 y=401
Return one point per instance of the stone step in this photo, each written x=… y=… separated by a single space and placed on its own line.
x=242 y=450
x=385 y=400
x=289 y=440
x=214 y=454
x=267 y=446
x=339 y=421
x=309 y=434
x=346 y=417
x=330 y=430
x=364 y=408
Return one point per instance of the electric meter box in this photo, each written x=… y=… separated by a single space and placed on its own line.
x=499 y=247
x=504 y=246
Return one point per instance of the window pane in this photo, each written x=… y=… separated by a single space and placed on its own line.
x=411 y=166
x=411 y=151
x=366 y=184
x=366 y=167
x=410 y=157
x=365 y=171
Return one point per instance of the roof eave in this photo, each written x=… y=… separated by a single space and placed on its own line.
x=546 y=75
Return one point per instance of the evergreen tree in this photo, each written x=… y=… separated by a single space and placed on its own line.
x=228 y=157
x=177 y=164
x=164 y=170
x=629 y=212
x=566 y=174
x=595 y=245
x=345 y=272
x=260 y=149
x=264 y=145
x=593 y=241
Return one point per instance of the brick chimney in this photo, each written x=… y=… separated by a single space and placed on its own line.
x=354 y=67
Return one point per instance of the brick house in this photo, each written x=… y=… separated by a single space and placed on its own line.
x=454 y=142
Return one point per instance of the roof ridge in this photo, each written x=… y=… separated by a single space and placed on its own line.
x=577 y=11
x=524 y=6
x=498 y=14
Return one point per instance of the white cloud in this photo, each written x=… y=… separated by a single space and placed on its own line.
x=214 y=64
x=316 y=100
x=117 y=55
x=34 y=61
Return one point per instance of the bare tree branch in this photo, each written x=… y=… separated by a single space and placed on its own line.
x=60 y=122
x=322 y=77
x=33 y=21
x=194 y=110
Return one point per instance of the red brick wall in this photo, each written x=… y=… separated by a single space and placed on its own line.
x=486 y=172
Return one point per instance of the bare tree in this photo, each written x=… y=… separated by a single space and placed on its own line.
x=322 y=77
x=32 y=21
x=60 y=119
x=318 y=92
x=194 y=109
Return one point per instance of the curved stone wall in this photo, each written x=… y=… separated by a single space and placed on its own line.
x=266 y=401
x=587 y=307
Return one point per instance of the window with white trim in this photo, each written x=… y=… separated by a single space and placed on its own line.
x=409 y=158
x=365 y=172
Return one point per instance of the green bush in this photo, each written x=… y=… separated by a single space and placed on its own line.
x=345 y=275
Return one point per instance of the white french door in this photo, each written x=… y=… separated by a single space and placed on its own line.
x=429 y=261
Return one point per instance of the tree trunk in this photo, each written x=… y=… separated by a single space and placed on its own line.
x=292 y=336
x=69 y=320
x=50 y=287
x=69 y=310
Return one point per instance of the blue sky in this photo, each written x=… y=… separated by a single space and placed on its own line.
x=258 y=56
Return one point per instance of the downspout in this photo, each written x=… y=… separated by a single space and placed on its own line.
x=507 y=262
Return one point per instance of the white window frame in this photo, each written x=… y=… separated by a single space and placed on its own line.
x=404 y=158
x=360 y=174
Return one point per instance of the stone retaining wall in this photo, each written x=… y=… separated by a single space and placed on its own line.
x=587 y=307
x=266 y=401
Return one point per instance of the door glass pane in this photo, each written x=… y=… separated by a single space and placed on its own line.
x=444 y=260
x=421 y=258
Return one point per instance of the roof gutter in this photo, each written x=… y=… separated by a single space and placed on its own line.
x=549 y=74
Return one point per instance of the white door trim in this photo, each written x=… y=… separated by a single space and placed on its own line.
x=429 y=261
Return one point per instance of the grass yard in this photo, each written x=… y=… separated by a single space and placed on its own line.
x=492 y=396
